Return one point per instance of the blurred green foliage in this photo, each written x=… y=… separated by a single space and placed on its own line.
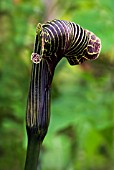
x=81 y=132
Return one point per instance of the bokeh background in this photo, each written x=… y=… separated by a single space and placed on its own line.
x=81 y=131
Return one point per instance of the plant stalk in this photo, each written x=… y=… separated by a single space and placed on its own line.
x=38 y=111
x=38 y=104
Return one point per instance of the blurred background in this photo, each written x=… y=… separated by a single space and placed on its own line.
x=81 y=131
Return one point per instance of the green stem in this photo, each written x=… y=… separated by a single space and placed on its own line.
x=33 y=151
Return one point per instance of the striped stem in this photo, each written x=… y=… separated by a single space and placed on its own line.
x=38 y=111
x=38 y=108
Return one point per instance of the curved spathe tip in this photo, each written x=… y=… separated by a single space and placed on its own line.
x=93 y=47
